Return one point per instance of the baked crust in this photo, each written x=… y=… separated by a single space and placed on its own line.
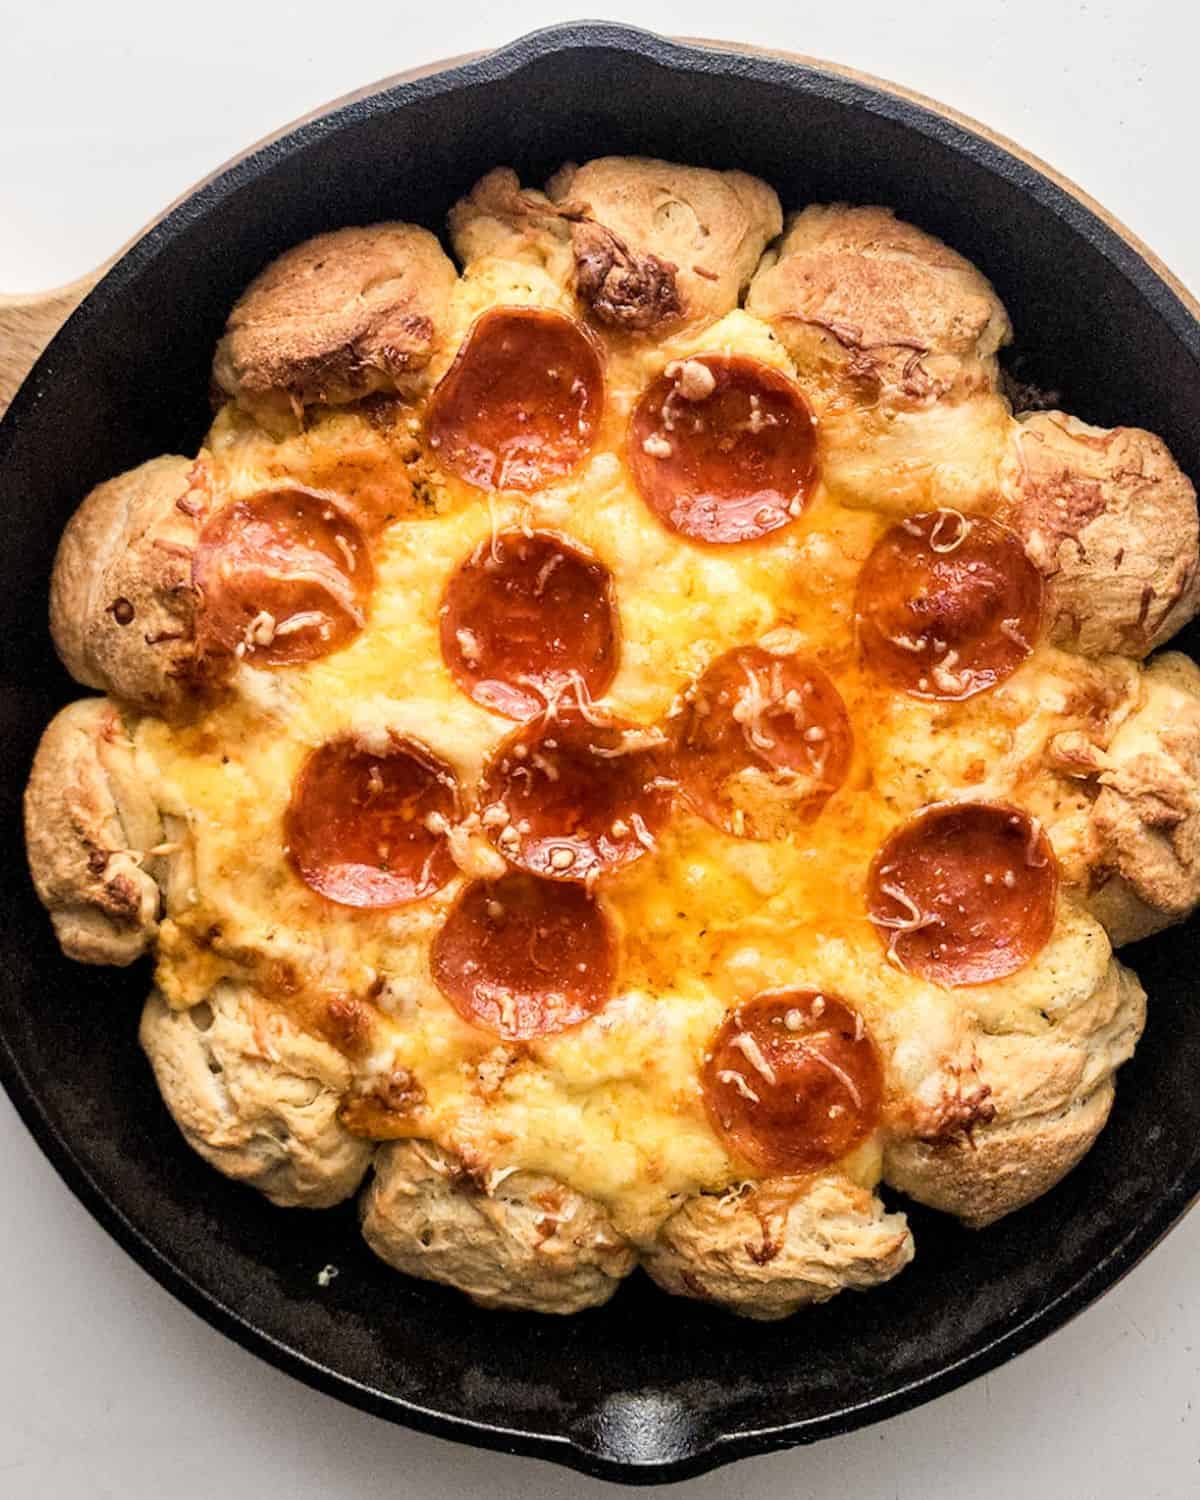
x=895 y=338
x=647 y=246
x=1145 y=821
x=1110 y=519
x=1050 y=1092
x=255 y=1096
x=122 y=604
x=90 y=822
x=526 y=1241
x=657 y=243
x=767 y=1249
x=341 y=316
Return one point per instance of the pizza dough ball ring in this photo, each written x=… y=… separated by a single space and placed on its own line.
x=90 y=824
x=1019 y=798
x=645 y=246
x=1110 y=519
x=122 y=604
x=894 y=337
x=1050 y=1092
x=528 y=1242
x=337 y=318
x=767 y=1249
x=255 y=1096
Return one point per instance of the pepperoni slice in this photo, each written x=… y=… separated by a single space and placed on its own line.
x=524 y=957
x=527 y=619
x=569 y=798
x=520 y=405
x=763 y=743
x=948 y=606
x=283 y=577
x=723 y=448
x=366 y=827
x=964 y=892
x=793 y=1081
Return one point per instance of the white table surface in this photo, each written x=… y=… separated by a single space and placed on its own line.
x=110 y=1389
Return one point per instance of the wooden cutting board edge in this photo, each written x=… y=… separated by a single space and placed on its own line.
x=28 y=322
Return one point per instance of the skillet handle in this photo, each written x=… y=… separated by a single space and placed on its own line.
x=28 y=323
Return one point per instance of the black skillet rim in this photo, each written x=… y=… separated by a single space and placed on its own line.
x=873 y=96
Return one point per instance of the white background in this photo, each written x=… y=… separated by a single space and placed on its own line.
x=108 y=1388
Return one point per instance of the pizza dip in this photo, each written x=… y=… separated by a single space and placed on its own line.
x=621 y=747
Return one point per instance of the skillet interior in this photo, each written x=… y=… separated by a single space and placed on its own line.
x=649 y=1388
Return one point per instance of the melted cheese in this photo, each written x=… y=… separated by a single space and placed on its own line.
x=704 y=921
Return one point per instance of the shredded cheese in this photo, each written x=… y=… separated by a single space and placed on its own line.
x=939 y=543
x=753 y=1053
x=731 y=1076
x=748 y=711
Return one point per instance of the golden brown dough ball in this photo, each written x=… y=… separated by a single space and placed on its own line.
x=255 y=1096
x=527 y=1242
x=500 y=218
x=1050 y=1087
x=341 y=316
x=656 y=242
x=645 y=246
x=1111 y=521
x=1145 y=820
x=895 y=338
x=767 y=1249
x=122 y=605
x=90 y=823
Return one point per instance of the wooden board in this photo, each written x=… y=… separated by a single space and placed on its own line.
x=27 y=324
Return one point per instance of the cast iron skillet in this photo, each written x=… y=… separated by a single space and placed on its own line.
x=648 y=1388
